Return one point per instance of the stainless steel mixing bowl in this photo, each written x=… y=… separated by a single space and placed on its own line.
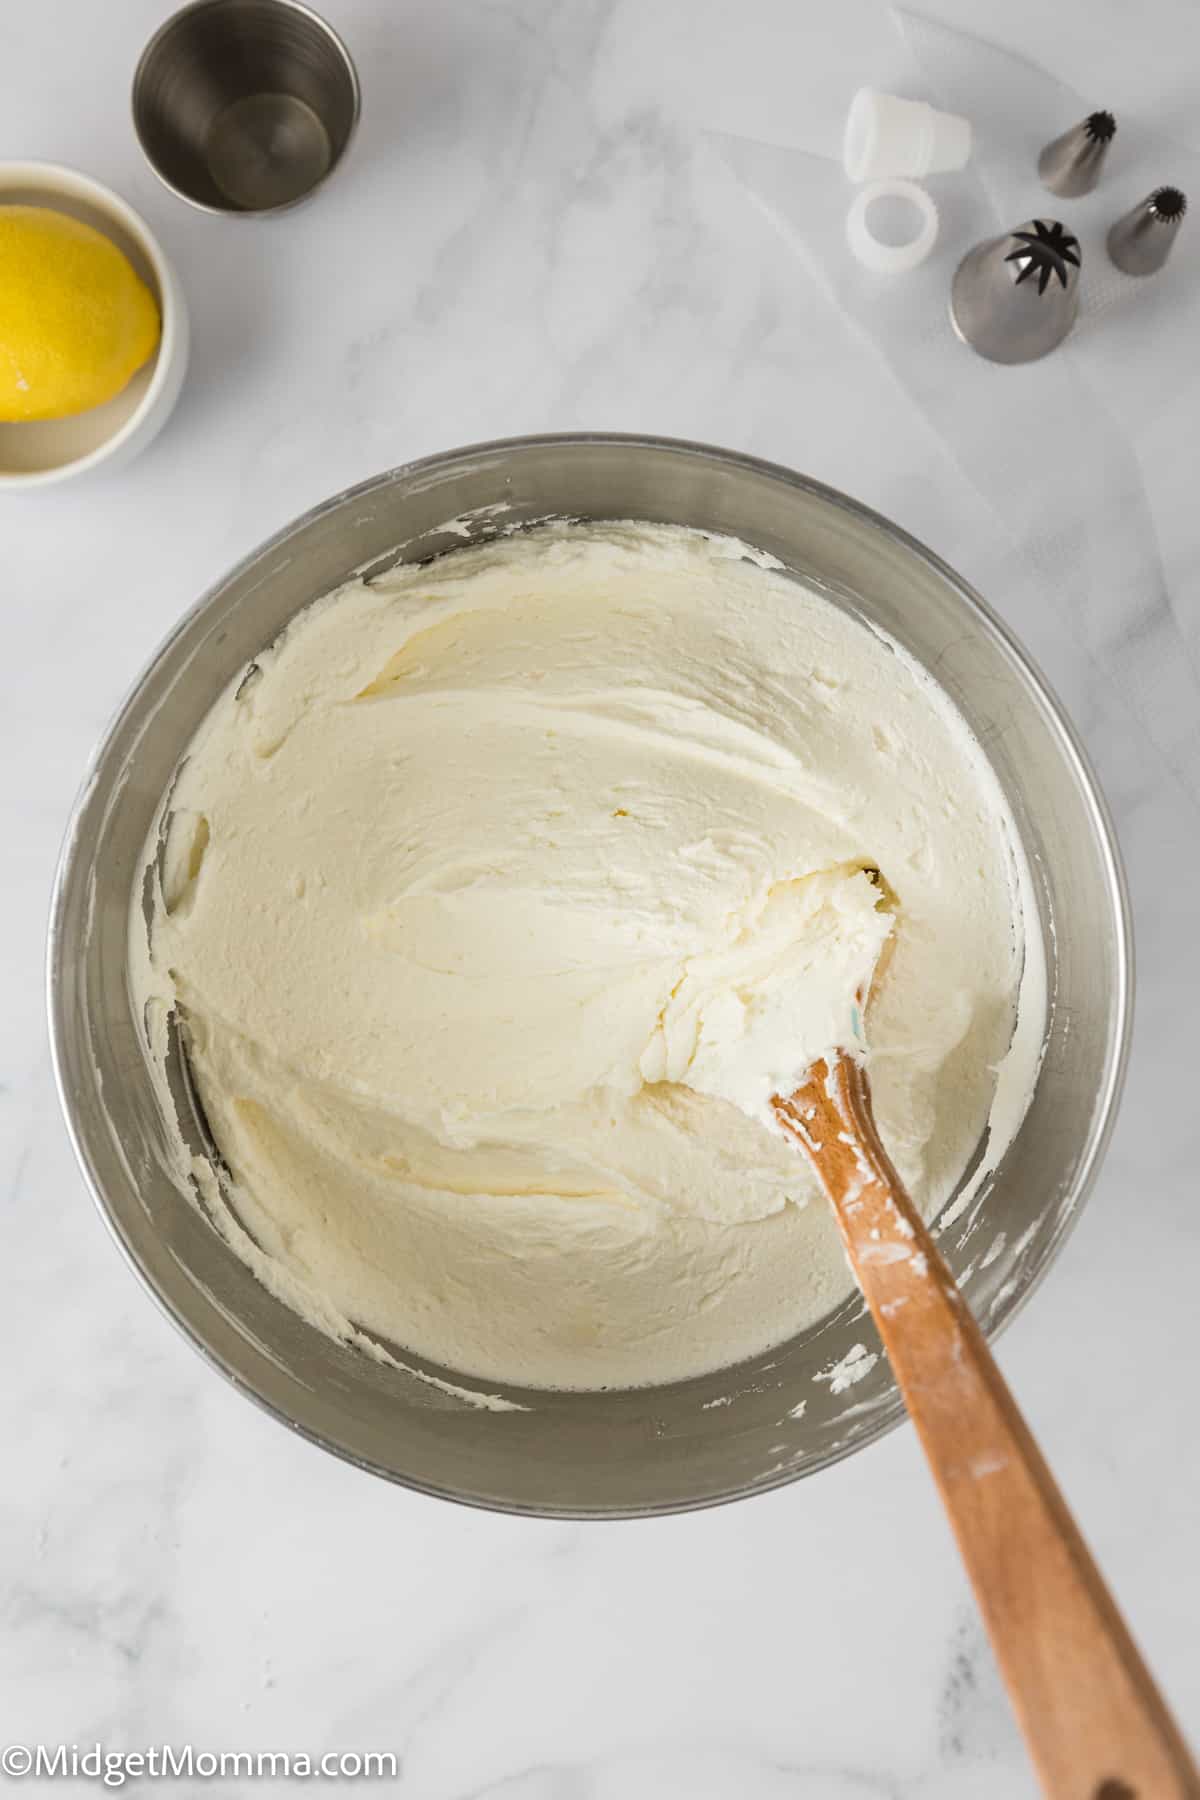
x=638 y=1451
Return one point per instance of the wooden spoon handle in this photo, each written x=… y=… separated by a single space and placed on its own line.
x=1096 y=1725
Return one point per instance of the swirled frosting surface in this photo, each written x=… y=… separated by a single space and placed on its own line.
x=501 y=895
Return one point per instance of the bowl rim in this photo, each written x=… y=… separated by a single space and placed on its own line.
x=62 y=179
x=1103 y=1119
x=163 y=31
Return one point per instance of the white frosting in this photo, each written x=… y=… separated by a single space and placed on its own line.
x=505 y=892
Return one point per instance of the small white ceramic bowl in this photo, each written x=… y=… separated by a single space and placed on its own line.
x=42 y=451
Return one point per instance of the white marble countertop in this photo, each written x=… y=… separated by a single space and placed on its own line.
x=535 y=232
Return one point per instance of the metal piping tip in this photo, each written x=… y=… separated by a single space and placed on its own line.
x=1015 y=297
x=1141 y=240
x=1070 y=165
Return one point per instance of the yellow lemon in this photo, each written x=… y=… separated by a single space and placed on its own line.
x=76 y=319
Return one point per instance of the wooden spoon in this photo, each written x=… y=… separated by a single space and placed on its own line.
x=1095 y=1723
